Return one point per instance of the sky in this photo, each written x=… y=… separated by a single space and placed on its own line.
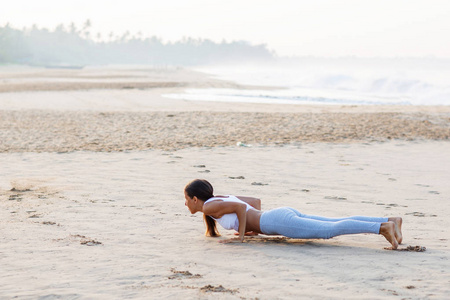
x=322 y=28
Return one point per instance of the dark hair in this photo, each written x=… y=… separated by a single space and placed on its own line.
x=203 y=190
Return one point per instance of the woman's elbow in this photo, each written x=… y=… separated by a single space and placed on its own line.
x=241 y=207
x=258 y=203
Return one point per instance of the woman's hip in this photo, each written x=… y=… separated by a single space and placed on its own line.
x=270 y=219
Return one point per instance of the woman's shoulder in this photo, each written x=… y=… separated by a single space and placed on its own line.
x=219 y=197
x=224 y=198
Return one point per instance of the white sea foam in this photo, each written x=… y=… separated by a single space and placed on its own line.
x=334 y=81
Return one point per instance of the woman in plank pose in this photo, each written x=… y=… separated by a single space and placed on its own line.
x=244 y=214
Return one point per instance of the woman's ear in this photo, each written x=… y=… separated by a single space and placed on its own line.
x=195 y=199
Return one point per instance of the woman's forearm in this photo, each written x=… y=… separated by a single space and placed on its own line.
x=254 y=202
x=242 y=217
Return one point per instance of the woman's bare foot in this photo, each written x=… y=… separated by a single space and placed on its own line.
x=388 y=231
x=398 y=228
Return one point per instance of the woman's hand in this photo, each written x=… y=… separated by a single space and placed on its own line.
x=248 y=233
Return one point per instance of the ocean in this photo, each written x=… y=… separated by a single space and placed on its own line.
x=332 y=81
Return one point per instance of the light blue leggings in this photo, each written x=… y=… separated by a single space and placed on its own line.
x=291 y=223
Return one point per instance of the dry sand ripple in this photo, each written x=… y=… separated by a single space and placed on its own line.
x=53 y=131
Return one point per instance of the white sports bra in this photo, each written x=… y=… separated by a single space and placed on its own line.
x=229 y=221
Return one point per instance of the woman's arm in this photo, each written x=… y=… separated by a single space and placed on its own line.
x=217 y=209
x=254 y=202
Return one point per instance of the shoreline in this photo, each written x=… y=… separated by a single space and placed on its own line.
x=18 y=83
x=29 y=79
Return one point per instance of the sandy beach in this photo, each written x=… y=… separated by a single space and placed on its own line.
x=94 y=162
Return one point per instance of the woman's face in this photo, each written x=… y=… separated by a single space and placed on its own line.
x=189 y=203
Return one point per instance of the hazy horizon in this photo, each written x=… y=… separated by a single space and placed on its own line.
x=323 y=28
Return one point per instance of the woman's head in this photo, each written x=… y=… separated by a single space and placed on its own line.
x=199 y=188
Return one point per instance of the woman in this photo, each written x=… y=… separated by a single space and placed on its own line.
x=243 y=214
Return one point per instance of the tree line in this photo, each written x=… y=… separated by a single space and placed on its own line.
x=69 y=45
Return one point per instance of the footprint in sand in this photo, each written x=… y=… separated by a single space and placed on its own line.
x=90 y=242
x=420 y=214
x=50 y=223
x=34 y=216
x=217 y=289
x=182 y=274
x=18 y=193
x=202 y=166
x=15 y=197
x=81 y=238
x=26 y=188
x=20 y=190
x=236 y=177
x=422 y=185
x=335 y=198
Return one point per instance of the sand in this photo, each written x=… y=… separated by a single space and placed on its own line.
x=89 y=210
